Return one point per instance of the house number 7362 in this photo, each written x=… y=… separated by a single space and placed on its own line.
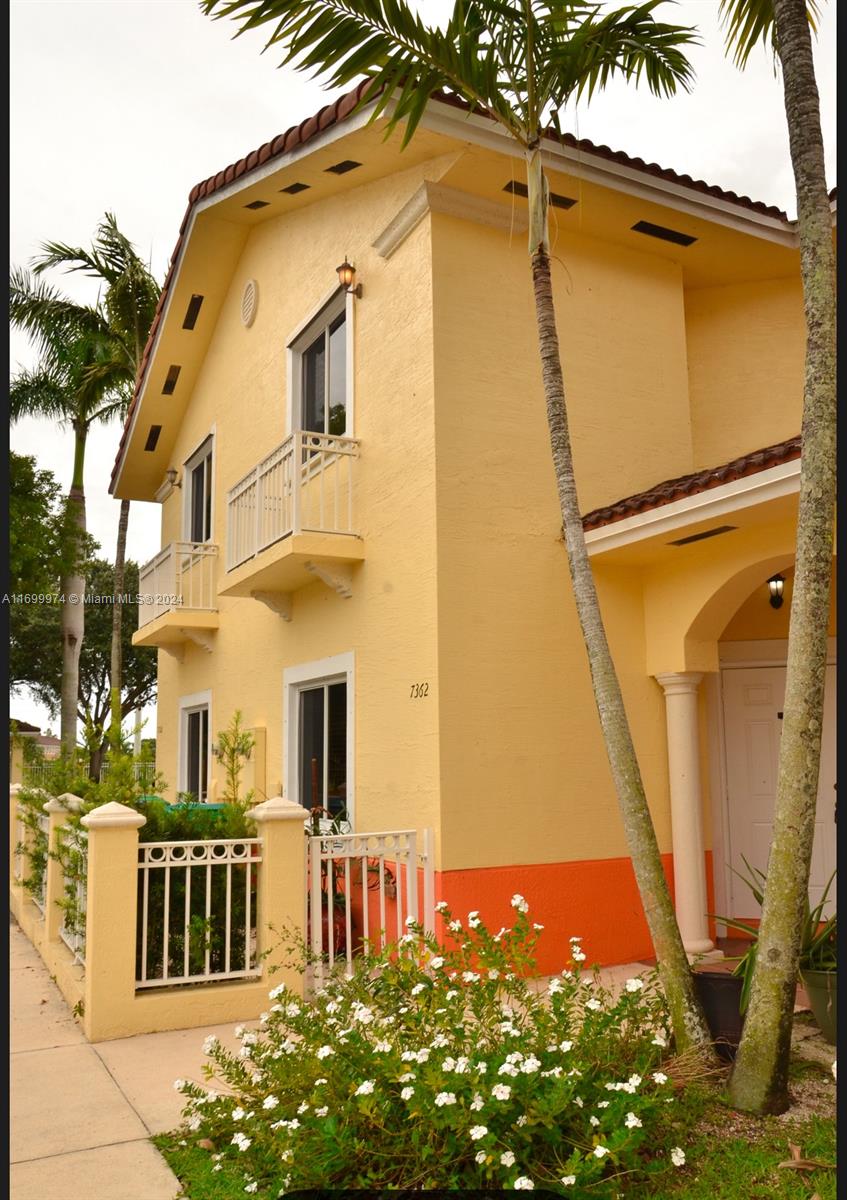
x=418 y=691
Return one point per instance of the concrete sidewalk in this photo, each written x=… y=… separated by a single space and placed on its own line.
x=81 y=1114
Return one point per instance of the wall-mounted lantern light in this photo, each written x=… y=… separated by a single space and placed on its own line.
x=171 y=475
x=347 y=276
x=776 y=586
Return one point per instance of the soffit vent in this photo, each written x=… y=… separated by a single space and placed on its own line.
x=341 y=168
x=254 y=204
x=192 y=312
x=556 y=200
x=698 y=537
x=294 y=188
x=663 y=233
x=152 y=437
x=249 y=303
x=170 y=380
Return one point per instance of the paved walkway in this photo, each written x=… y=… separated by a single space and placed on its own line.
x=81 y=1113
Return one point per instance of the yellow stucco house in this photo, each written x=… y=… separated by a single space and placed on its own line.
x=361 y=544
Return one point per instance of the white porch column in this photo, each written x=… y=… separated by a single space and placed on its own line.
x=689 y=865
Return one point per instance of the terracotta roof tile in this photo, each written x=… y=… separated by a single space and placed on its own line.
x=338 y=110
x=690 y=485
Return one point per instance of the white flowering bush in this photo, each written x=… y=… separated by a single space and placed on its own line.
x=441 y=1067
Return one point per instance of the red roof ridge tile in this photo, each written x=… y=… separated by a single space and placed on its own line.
x=693 y=483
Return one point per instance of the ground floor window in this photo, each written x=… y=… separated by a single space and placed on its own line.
x=194 y=748
x=318 y=709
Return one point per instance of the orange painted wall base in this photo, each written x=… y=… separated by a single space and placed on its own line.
x=596 y=900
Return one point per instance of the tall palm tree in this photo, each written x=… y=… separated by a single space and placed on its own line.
x=75 y=382
x=519 y=61
x=129 y=302
x=759 y=1080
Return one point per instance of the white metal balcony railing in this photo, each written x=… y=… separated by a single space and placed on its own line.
x=181 y=576
x=305 y=485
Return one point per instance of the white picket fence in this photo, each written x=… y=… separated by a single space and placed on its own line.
x=353 y=880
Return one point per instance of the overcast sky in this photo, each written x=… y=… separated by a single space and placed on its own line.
x=123 y=105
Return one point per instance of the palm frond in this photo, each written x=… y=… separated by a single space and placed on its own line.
x=39 y=393
x=748 y=22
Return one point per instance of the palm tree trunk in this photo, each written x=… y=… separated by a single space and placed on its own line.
x=73 y=605
x=117 y=623
x=689 y=1025
x=759 y=1081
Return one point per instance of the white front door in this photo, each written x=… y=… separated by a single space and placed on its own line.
x=753 y=699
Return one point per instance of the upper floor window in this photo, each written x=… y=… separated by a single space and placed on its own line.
x=198 y=494
x=320 y=371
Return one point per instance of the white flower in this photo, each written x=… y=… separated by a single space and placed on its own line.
x=455 y=926
x=579 y=1102
x=659 y=1077
x=381 y=1047
x=632 y=1121
x=407 y=1093
x=318 y=1082
x=520 y=1121
x=238 y=1114
x=470 y=977
x=418 y=988
x=523 y=1184
x=507 y=1069
x=210 y=1044
x=478 y=1131
x=521 y=905
x=569 y=1180
x=243 y=1143
x=501 y=1091
x=321 y=1112
x=441 y=906
x=303 y=1108
x=493 y=973
x=272 y=1102
x=325 y=1051
x=554 y=986
x=276 y=992
x=600 y=1151
x=554 y=1071
x=239 y=1031
x=452 y=994
x=409 y=1077
x=593 y=1004
x=507 y=1159
x=577 y=955
x=593 y=1121
x=409 y=921
x=530 y=1065
x=634 y=1081
x=362 y=1014
x=603 y=1104
x=439 y=1040
x=659 y=1040
x=477 y=1103
x=480 y=1157
x=565 y=1046
x=436 y=962
x=678 y=1157
x=634 y=985
x=364 y=1089
x=179 y=1084
x=473 y=919
x=482 y=1067
x=252 y=1187
x=445 y=1098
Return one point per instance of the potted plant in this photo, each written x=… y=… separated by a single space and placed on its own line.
x=725 y=996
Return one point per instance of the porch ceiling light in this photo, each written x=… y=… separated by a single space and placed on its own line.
x=776 y=585
x=347 y=276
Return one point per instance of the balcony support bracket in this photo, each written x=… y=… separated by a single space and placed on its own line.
x=201 y=637
x=337 y=576
x=174 y=649
x=278 y=602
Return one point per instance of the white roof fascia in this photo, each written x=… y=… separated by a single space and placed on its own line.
x=782 y=480
x=597 y=169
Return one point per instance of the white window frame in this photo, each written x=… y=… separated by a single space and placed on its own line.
x=188 y=466
x=330 y=307
x=339 y=668
x=189 y=704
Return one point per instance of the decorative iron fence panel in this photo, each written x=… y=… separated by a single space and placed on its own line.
x=72 y=930
x=197 y=914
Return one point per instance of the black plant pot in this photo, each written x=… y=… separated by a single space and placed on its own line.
x=720 y=995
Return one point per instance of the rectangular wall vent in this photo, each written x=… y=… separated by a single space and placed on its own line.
x=556 y=200
x=152 y=437
x=341 y=168
x=294 y=188
x=698 y=537
x=254 y=204
x=170 y=380
x=663 y=233
x=192 y=312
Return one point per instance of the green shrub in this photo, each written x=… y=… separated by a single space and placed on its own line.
x=441 y=1067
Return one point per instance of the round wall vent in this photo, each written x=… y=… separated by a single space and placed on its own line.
x=249 y=303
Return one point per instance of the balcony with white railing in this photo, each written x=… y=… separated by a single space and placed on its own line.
x=290 y=521
x=178 y=597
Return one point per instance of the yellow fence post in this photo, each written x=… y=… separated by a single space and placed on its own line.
x=282 y=885
x=16 y=763
x=57 y=809
x=111 y=914
x=14 y=792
